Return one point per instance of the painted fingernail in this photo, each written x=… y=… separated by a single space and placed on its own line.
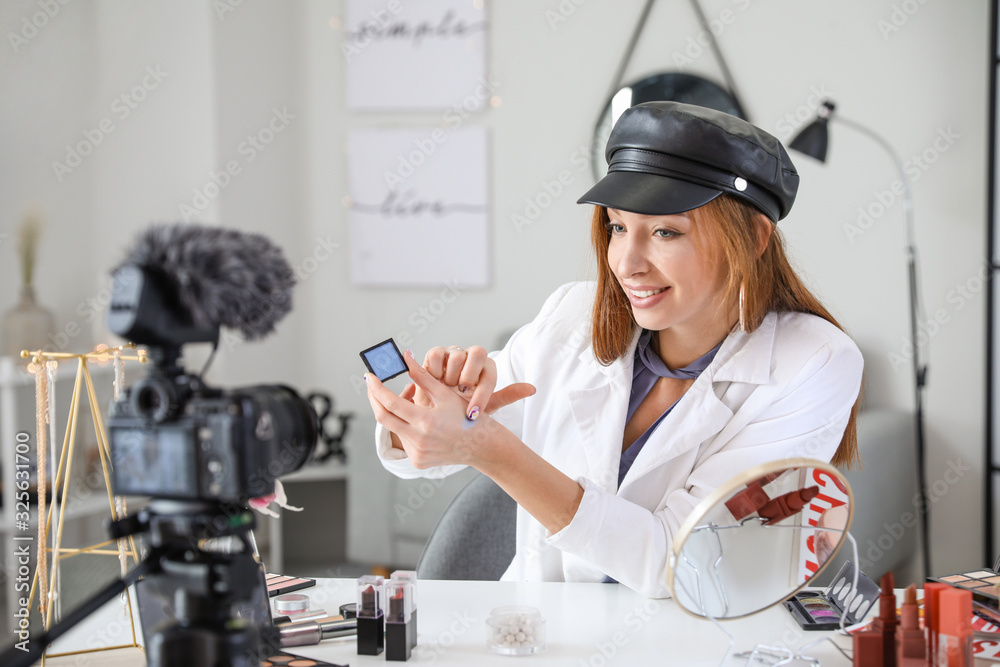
x=462 y=388
x=474 y=414
x=409 y=353
x=366 y=378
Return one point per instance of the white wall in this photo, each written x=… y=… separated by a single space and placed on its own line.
x=227 y=71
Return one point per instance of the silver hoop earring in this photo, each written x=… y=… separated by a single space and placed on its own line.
x=743 y=311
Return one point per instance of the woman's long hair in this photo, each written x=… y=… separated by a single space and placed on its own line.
x=769 y=282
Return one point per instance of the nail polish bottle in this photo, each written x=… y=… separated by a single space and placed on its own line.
x=371 y=620
x=911 y=647
x=885 y=624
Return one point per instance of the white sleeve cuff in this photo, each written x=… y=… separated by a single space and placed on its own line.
x=580 y=531
x=398 y=463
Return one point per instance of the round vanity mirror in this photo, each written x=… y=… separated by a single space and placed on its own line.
x=759 y=538
x=665 y=86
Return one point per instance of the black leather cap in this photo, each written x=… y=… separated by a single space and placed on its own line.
x=668 y=157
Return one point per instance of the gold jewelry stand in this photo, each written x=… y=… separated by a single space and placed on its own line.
x=46 y=577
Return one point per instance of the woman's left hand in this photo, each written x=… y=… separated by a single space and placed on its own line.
x=433 y=433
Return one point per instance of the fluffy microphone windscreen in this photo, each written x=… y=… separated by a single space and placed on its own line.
x=222 y=277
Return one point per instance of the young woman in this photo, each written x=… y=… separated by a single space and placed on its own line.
x=697 y=354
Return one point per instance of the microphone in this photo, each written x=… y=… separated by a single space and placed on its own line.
x=208 y=277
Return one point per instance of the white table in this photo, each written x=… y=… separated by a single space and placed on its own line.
x=592 y=625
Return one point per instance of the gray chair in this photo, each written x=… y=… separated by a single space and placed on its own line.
x=885 y=516
x=474 y=539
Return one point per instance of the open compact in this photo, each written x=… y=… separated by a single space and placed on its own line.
x=823 y=610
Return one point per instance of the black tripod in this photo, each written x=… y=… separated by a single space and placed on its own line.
x=200 y=607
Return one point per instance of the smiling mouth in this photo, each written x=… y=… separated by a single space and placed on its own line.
x=642 y=294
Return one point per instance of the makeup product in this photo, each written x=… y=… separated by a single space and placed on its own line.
x=411 y=576
x=954 y=628
x=307 y=633
x=398 y=617
x=790 y=504
x=748 y=501
x=291 y=603
x=932 y=593
x=384 y=360
x=885 y=624
x=349 y=610
x=370 y=620
x=279 y=584
x=283 y=659
x=867 y=649
x=752 y=498
x=986 y=612
x=515 y=631
x=982 y=583
x=911 y=645
x=823 y=610
x=296 y=607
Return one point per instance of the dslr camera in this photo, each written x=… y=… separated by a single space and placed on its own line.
x=174 y=437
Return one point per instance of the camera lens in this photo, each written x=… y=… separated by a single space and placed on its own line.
x=154 y=399
x=289 y=421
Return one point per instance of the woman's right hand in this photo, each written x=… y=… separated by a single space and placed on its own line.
x=473 y=376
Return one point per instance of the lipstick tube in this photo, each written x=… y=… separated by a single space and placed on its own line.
x=308 y=633
x=410 y=576
x=954 y=628
x=370 y=620
x=748 y=501
x=885 y=624
x=867 y=649
x=911 y=647
x=931 y=606
x=398 y=618
x=790 y=504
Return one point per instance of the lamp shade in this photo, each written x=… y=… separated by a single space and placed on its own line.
x=813 y=139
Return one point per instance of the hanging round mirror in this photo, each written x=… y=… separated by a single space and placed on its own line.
x=664 y=86
x=759 y=538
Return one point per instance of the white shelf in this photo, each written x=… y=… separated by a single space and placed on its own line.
x=318 y=472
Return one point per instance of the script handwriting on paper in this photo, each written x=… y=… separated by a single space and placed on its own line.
x=409 y=203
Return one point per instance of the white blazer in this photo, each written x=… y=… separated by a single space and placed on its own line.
x=785 y=390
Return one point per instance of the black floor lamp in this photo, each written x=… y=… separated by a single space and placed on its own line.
x=813 y=141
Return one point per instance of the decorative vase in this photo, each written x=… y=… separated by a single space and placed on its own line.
x=26 y=326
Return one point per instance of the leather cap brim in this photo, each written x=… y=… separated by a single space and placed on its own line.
x=647 y=194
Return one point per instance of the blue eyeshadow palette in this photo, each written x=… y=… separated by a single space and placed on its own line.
x=384 y=360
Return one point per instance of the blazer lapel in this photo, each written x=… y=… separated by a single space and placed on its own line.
x=599 y=410
x=700 y=413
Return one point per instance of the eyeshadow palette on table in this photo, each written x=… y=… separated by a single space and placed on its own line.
x=279 y=584
x=982 y=583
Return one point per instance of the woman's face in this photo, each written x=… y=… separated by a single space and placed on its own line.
x=670 y=283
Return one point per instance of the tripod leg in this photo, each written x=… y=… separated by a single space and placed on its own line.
x=16 y=657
